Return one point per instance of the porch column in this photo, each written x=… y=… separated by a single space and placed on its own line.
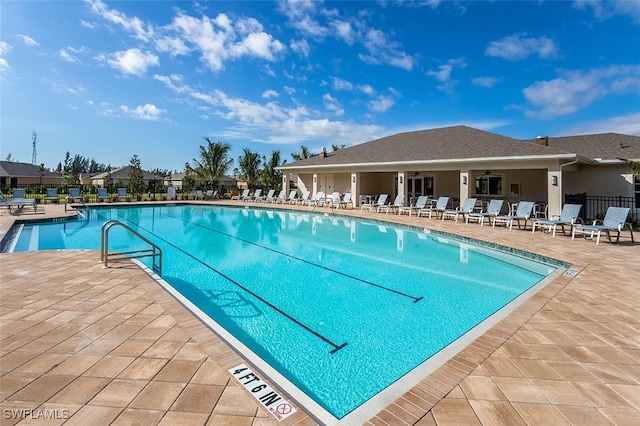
x=402 y=186
x=554 y=191
x=285 y=183
x=355 y=188
x=464 y=185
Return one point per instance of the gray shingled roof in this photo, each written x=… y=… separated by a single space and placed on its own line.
x=607 y=146
x=447 y=143
x=123 y=173
x=15 y=169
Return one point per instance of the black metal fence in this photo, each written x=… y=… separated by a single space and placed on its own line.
x=595 y=206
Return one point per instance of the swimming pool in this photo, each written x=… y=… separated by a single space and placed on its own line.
x=341 y=308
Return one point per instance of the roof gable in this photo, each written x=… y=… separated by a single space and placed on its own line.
x=16 y=169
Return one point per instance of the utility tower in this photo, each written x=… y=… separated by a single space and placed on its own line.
x=34 y=154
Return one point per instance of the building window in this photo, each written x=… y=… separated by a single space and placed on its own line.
x=636 y=186
x=489 y=185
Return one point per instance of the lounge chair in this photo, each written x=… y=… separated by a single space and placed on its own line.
x=397 y=203
x=242 y=196
x=568 y=216
x=440 y=207
x=276 y=198
x=420 y=203
x=198 y=195
x=265 y=197
x=493 y=210
x=74 y=195
x=211 y=194
x=346 y=199
x=523 y=212
x=247 y=197
x=467 y=208
x=614 y=220
x=18 y=201
x=122 y=195
x=52 y=195
x=304 y=198
x=380 y=201
x=292 y=198
x=332 y=200
x=103 y=195
x=317 y=200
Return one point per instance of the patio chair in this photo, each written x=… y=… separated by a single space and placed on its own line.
x=317 y=200
x=420 y=203
x=292 y=198
x=373 y=205
x=211 y=194
x=346 y=199
x=18 y=201
x=242 y=196
x=198 y=195
x=467 y=208
x=614 y=220
x=103 y=195
x=493 y=210
x=265 y=197
x=523 y=212
x=305 y=197
x=568 y=216
x=440 y=207
x=275 y=199
x=52 y=195
x=122 y=195
x=256 y=193
x=331 y=200
x=74 y=195
x=397 y=203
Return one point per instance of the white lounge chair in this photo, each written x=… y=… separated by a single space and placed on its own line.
x=198 y=195
x=441 y=206
x=380 y=201
x=122 y=195
x=397 y=203
x=317 y=200
x=245 y=193
x=333 y=200
x=420 y=203
x=493 y=210
x=466 y=209
x=568 y=216
x=280 y=196
x=614 y=220
x=257 y=193
x=523 y=212
x=292 y=198
x=211 y=194
x=265 y=197
x=305 y=197
x=346 y=199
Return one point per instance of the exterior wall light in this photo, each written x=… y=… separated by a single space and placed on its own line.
x=554 y=180
x=464 y=180
x=400 y=180
x=353 y=179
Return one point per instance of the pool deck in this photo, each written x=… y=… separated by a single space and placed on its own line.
x=81 y=344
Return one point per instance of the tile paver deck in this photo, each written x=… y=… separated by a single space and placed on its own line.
x=110 y=346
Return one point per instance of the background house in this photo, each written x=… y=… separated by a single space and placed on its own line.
x=19 y=175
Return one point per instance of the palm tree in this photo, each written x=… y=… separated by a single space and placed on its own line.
x=250 y=163
x=335 y=147
x=272 y=177
x=304 y=153
x=634 y=166
x=214 y=162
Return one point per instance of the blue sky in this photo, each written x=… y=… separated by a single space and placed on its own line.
x=110 y=79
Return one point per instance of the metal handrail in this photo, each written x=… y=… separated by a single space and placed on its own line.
x=66 y=202
x=154 y=251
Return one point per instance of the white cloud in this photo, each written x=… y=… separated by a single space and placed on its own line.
x=517 y=47
x=626 y=124
x=4 y=48
x=301 y=47
x=443 y=74
x=69 y=53
x=133 y=61
x=382 y=103
x=28 y=40
x=574 y=90
x=365 y=88
x=132 y=25
x=146 y=112
x=87 y=24
x=340 y=84
x=332 y=104
x=607 y=9
x=383 y=51
x=489 y=82
x=267 y=94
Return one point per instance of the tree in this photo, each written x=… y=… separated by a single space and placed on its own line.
x=335 y=147
x=189 y=180
x=304 y=153
x=634 y=166
x=135 y=185
x=213 y=163
x=272 y=177
x=250 y=163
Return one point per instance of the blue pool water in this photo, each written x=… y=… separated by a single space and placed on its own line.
x=342 y=308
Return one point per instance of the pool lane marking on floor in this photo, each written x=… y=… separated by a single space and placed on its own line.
x=415 y=299
x=336 y=347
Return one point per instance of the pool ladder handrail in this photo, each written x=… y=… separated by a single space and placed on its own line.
x=154 y=251
x=66 y=202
